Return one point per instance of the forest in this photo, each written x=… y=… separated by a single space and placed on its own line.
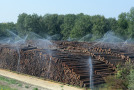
x=71 y=26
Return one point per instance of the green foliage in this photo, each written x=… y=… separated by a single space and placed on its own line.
x=124 y=78
x=35 y=89
x=4 y=27
x=21 y=24
x=26 y=86
x=20 y=85
x=123 y=21
x=52 y=24
x=113 y=24
x=67 y=25
x=62 y=87
x=63 y=27
x=82 y=27
x=131 y=80
x=100 y=25
x=115 y=83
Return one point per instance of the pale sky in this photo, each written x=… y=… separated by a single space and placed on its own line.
x=10 y=9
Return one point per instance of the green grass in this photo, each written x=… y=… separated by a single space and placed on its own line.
x=4 y=87
x=62 y=87
x=20 y=85
x=26 y=86
x=35 y=89
x=10 y=81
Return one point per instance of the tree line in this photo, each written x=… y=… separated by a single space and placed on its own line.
x=71 y=26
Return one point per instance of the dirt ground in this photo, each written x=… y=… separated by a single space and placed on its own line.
x=34 y=82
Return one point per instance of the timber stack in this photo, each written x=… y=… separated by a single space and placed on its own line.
x=63 y=61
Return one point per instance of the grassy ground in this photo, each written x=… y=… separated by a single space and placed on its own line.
x=12 y=84
x=10 y=81
x=5 y=83
x=5 y=87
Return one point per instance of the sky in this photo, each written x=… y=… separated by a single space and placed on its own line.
x=10 y=9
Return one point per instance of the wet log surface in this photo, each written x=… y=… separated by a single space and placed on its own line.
x=66 y=62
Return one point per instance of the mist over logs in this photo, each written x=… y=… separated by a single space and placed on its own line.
x=69 y=60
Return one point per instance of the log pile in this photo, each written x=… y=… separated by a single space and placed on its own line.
x=44 y=63
x=66 y=62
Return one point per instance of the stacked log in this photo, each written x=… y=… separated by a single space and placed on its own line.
x=67 y=63
x=42 y=63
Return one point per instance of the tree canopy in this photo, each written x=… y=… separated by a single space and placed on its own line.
x=73 y=26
